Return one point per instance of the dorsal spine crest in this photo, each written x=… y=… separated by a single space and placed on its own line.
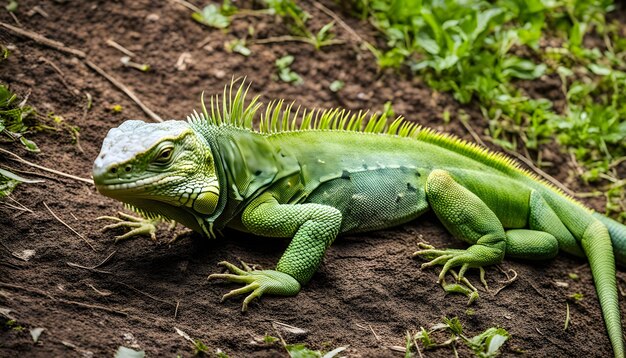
x=280 y=118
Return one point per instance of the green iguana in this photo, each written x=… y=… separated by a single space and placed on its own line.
x=314 y=175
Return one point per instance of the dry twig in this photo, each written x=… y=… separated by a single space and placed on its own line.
x=509 y=280
x=86 y=305
x=15 y=18
x=60 y=73
x=21 y=207
x=101 y=293
x=83 y=56
x=69 y=227
x=338 y=20
x=186 y=4
x=472 y=132
x=146 y=294
x=38 y=10
x=20 y=159
x=120 y=48
x=15 y=170
x=93 y=268
x=124 y=89
x=288 y=38
x=61 y=300
x=44 y=40
x=27 y=289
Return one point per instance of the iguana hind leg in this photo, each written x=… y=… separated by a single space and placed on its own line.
x=467 y=218
x=313 y=228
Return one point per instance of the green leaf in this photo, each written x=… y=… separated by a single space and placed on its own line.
x=285 y=61
x=324 y=33
x=267 y=339
x=200 y=347
x=6 y=97
x=336 y=85
x=520 y=68
x=123 y=352
x=285 y=73
x=495 y=342
x=12 y=6
x=428 y=44
x=489 y=342
x=211 y=16
x=29 y=144
x=599 y=70
x=7 y=185
x=13 y=176
x=301 y=351
x=454 y=325
x=424 y=337
x=238 y=46
x=334 y=352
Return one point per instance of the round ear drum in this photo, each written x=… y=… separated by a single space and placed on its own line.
x=206 y=202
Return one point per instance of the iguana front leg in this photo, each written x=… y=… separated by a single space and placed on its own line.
x=313 y=228
x=137 y=225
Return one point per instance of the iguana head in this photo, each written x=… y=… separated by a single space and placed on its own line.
x=161 y=169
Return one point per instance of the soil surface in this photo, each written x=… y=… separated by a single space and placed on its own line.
x=366 y=295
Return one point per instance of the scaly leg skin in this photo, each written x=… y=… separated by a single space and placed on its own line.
x=468 y=218
x=138 y=225
x=313 y=228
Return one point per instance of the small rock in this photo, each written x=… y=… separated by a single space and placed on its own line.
x=35 y=333
x=561 y=284
x=153 y=17
x=219 y=74
x=25 y=255
x=130 y=340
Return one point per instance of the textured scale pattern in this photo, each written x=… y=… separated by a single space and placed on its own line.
x=313 y=227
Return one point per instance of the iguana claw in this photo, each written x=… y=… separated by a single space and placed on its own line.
x=450 y=258
x=138 y=225
x=258 y=282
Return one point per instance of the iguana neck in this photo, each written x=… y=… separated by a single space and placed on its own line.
x=246 y=163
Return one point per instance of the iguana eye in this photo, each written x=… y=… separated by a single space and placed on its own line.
x=164 y=156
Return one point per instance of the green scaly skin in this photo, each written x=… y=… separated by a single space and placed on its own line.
x=332 y=173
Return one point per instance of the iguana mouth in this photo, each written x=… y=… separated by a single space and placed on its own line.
x=117 y=185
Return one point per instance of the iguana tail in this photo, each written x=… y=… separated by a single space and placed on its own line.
x=617 y=232
x=603 y=242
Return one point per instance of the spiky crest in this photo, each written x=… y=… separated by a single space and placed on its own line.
x=279 y=118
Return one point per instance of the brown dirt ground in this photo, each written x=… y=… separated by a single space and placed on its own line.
x=367 y=280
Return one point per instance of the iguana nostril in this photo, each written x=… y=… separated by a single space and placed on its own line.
x=113 y=170
x=128 y=168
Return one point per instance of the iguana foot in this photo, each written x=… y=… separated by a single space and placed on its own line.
x=462 y=286
x=450 y=258
x=258 y=282
x=138 y=225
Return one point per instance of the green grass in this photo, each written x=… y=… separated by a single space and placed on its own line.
x=484 y=344
x=17 y=120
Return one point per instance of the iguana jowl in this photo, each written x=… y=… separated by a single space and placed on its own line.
x=324 y=173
